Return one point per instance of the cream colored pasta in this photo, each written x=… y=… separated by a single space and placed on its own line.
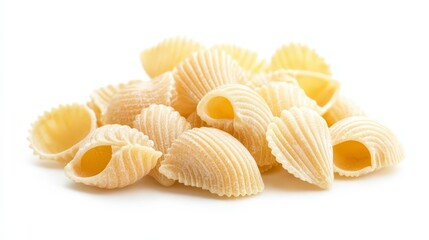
x=168 y=54
x=196 y=121
x=57 y=134
x=114 y=156
x=261 y=79
x=298 y=57
x=201 y=73
x=213 y=160
x=301 y=142
x=247 y=59
x=240 y=111
x=129 y=102
x=342 y=108
x=362 y=145
x=163 y=125
x=280 y=96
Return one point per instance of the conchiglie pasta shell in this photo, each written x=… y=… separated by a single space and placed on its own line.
x=213 y=160
x=342 y=108
x=260 y=79
x=298 y=57
x=196 y=121
x=301 y=142
x=283 y=96
x=247 y=59
x=202 y=72
x=162 y=124
x=129 y=102
x=240 y=111
x=57 y=134
x=362 y=145
x=114 y=156
x=167 y=55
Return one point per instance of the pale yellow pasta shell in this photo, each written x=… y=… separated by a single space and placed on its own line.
x=196 y=121
x=213 y=160
x=168 y=54
x=362 y=145
x=342 y=108
x=247 y=59
x=260 y=79
x=239 y=110
x=162 y=124
x=114 y=156
x=301 y=142
x=283 y=96
x=57 y=134
x=202 y=72
x=298 y=57
x=130 y=101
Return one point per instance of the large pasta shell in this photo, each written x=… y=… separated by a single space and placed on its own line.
x=362 y=145
x=261 y=79
x=57 y=134
x=202 y=72
x=298 y=57
x=196 y=121
x=168 y=54
x=247 y=59
x=213 y=160
x=163 y=125
x=239 y=110
x=301 y=142
x=130 y=101
x=114 y=156
x=342 y=108
x=281 y=95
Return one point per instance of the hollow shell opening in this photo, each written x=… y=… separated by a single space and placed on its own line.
x=94 y=161
x=220 y=108
x=351 y=156
x=317 y=88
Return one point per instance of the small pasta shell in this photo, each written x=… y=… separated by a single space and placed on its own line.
x=298 y=57
x=320 y=87
x=168 y=54
x=202 y=72
x=130 y=101
x=213 y=160
x=342 y=108
x=261 y=79
x=283 y=96
x=362 y=145
x=114 y=156
x=57 y=134
x=240 y=111
x=162 y=124
x=301 y=142
x=247 y=59
x=196 y=121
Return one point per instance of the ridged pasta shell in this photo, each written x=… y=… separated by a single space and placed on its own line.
x=57 y=134
x=298 y=57
x=260 y=79
x=283 y=96
x=196 y=121
x=320 y=87
x=130 y=101
x=168 y=54
x=114 y=156
x=362 y=145
x=100 y=98
x=301 y=142
x=202 y=72
x=213 y=160
x=240 y=111
x=342 y=108
x=247 y=59
x=162 y=124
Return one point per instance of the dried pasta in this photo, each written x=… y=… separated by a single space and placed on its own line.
x=301 y=142
x=342 y=108
x=362 y=145
x=114 y=156
x=168 y=54
x=196 y=121
x=213 y=160
x=239 y=110
x=247 y=59
x=57 y=134
x=260 y=79
x=162 y=124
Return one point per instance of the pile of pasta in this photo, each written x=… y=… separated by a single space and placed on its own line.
x=216 y=118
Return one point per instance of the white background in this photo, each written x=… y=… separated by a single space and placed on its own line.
x=56 y=52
